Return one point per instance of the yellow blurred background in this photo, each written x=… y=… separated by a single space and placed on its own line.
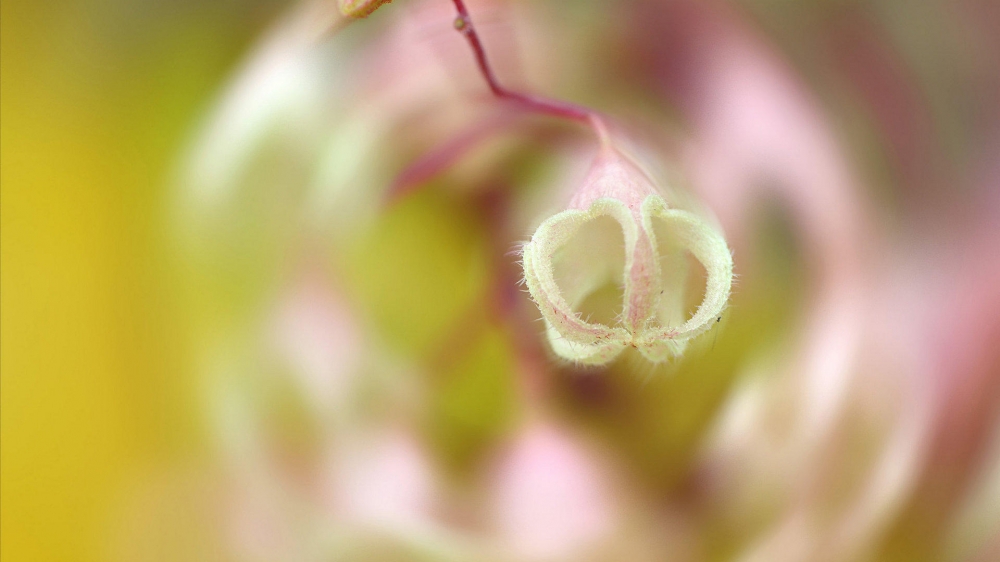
x=97 y=98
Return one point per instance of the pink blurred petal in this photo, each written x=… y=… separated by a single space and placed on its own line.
x=551 y=499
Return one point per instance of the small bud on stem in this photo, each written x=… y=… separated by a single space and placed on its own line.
x=617 y=189
x=360 y=8
x=618 y=228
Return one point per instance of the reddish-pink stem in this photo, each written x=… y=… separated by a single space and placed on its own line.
x=555 y=108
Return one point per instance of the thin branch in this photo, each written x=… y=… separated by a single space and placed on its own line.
x=556 y=108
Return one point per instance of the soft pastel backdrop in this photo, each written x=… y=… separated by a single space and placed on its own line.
x=99 y=100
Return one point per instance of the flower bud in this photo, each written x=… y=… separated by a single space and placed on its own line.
x=360 y=8
x=580 y=250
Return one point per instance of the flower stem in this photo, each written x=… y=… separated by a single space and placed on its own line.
x=537 y=104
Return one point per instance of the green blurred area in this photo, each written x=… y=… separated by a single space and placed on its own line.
x=97 y=99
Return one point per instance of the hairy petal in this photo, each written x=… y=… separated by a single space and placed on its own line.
x=707 y=246
x=573 y=337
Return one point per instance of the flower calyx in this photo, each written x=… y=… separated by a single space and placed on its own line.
x=618 y=230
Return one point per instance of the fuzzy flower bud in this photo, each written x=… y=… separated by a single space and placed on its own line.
x=578 y=251
x=360 y=8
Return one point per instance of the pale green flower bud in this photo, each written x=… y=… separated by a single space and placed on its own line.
x=579 y=250
x=360 y=8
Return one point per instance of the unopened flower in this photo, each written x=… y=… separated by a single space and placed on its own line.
x=619 y=229
x=360 y=8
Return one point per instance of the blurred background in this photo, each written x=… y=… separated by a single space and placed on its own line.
x=98 y=100
x=221 y=342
